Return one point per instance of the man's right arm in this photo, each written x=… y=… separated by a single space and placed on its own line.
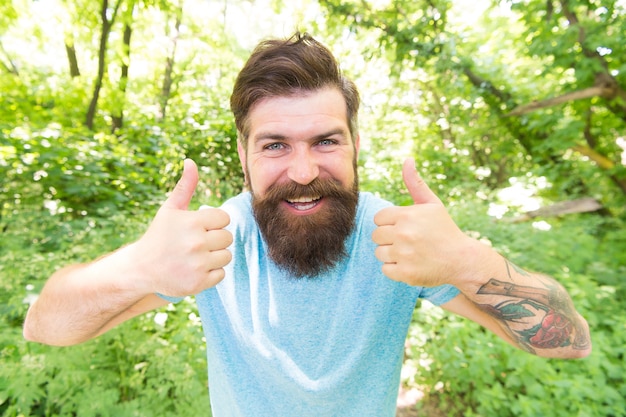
x=182 y=253
x=82 y=301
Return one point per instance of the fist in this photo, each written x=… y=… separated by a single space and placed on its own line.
x=183 y=252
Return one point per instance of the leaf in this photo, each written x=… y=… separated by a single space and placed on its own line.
x=514 y=311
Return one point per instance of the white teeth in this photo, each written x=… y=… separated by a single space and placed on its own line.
x=303 y=207
x=304 y=199
x=304 y=203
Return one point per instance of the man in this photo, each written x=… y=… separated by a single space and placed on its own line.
x=305 y=285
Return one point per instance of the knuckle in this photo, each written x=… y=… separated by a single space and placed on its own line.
x=227 y=237
x=221 y=238
x=407 y=235
x=194 y=245
x=383 y=216
x=376 y=236
x=214 y=276
x=389 y=270
x=405 y=252
x=220 y=258
x=227 y=256
x=220 y=217
x=379 y=252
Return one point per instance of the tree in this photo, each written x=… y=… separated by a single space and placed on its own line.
x=8 y=14
x=107 y=18
x=589 y=36
x=173 y=35
x=118 y=116
x=501 y=66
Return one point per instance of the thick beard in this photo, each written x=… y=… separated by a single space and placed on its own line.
x=307 y=245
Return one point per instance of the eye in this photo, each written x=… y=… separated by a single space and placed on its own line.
x=274 y=146
x=327 y=142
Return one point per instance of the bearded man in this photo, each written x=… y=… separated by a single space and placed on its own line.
x=305 y=285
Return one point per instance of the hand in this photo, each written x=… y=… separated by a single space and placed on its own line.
x=419 y=244
x=183 y=252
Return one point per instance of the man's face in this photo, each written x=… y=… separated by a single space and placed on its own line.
x=301 y=168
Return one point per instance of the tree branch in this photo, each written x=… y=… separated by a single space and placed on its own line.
x=602 y=161
x=581 y=205
x=595 y=91
x=10 y=67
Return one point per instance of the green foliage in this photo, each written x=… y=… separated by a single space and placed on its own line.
x=467 y=77
x=143 y=368
x=468 y=371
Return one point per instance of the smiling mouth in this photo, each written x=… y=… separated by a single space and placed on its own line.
x=304 y=203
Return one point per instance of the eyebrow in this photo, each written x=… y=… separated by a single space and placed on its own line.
x=278 y=136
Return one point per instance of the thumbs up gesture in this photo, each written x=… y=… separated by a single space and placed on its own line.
x=183 y=252
x=419 y=244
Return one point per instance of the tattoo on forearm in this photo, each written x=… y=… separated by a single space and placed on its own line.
x=559 y=325
x=517 y=269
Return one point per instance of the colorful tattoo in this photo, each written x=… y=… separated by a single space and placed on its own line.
x=525 y=304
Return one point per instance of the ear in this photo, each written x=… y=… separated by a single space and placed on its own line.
x=357 y=146
x=242 y=154
x=242 y=159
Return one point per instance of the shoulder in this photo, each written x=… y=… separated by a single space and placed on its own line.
x=241 y=201
x=370 y=204
x=239 y=207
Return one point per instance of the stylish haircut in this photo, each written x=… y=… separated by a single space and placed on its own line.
x=283 y=68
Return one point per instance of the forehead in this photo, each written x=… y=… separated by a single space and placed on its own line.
x=299 y=114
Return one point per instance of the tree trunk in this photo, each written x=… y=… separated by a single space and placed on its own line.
x=104 y=37
x=166 y=88
x=70 y=50
x=118 y=119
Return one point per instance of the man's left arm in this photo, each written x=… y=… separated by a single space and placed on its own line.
x=421 y=245
x=531 y=311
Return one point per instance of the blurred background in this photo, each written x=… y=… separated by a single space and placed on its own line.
x=515 y=112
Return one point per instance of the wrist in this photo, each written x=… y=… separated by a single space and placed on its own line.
x=479 y=263
x=123 y=271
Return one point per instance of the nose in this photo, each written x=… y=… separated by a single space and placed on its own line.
x=303 y=167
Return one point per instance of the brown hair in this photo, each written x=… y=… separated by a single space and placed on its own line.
x=287 y=67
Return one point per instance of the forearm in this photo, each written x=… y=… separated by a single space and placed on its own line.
x=421 y=245
x=534 y=311
x=79 y=301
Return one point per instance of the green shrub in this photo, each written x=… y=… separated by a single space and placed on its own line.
x=468 y=371
x=141 y=368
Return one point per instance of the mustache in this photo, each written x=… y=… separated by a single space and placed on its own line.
x=316 y=188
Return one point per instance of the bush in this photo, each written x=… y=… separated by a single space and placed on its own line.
x=152 y=365
x=468 y=371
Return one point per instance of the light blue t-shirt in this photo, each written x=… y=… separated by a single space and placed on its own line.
x=322 y=347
